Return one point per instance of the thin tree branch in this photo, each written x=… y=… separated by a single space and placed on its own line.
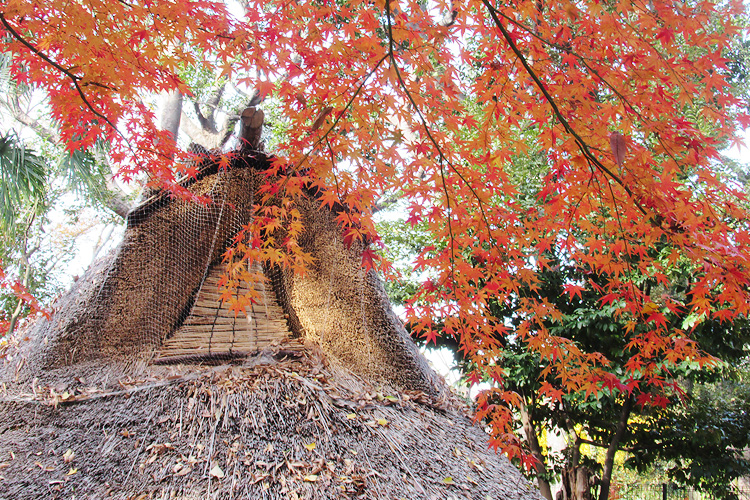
x=432 y=139
x=201 y=119
x=384 y=204
x=622 y=425
x=73 y=78
x=611 y=87
x=583 y=60
x=434 y=142
x=25 y=255
x=324 y=137
x=22 y=117
x=582 y=145
x=340 y=114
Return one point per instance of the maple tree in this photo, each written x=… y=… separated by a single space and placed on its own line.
x=649 y=422
x=427 y=101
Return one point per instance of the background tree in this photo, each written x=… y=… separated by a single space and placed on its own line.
x=703 y=443
x=699 y=435
x=591 y=419
x=21 y=200
x=42 y=224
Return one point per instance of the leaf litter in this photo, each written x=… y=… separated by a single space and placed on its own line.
x=299 y=427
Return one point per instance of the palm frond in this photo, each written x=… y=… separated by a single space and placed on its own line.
x=23 y=178
x=84 y=171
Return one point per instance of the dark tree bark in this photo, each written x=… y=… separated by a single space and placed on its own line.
x=577 y=479
x=614 y=444
x=576 y=483
x=530 y=430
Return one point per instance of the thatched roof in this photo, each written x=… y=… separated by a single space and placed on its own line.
x=86 y=413
x=283 y=425
x=135 y=303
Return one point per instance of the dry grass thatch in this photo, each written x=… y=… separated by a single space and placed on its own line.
x=284 y=424
x=133 y=303
x=86 y=414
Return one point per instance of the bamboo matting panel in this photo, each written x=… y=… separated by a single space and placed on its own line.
x=213 y=329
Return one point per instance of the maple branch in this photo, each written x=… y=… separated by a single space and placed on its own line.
x=434 y=142
x=432 y=139
x=580 y=200
x=74 y=78
x=450 y=226
x=582 y=146
x=335 y=177
x=679 y=78
x=625 y=240
x=583 y=60
x=596 y=73
x=340 y=114
x=611 y=87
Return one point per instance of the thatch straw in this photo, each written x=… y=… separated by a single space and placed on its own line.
x=136 y=302
x=84 y=413
x=272 y=428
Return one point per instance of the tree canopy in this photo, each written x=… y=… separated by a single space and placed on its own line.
x=689 y=431
x=625 y=105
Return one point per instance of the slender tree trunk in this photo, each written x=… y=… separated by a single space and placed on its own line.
x=576 y=478
x=171 y=113
x=104 y=237
x=531 y=438
x=14 y=317
x=25 y=256
x=614 y=445
x=19 y=307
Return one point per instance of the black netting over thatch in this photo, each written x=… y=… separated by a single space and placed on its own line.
x=158 y=296
x=148 y=286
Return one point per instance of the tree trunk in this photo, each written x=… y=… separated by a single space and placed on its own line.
x=576 y=479
x=14 y=317
x=529 y=430
x=576 y=483
x=614 y=444
x=171 y=113
x=26 y=267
